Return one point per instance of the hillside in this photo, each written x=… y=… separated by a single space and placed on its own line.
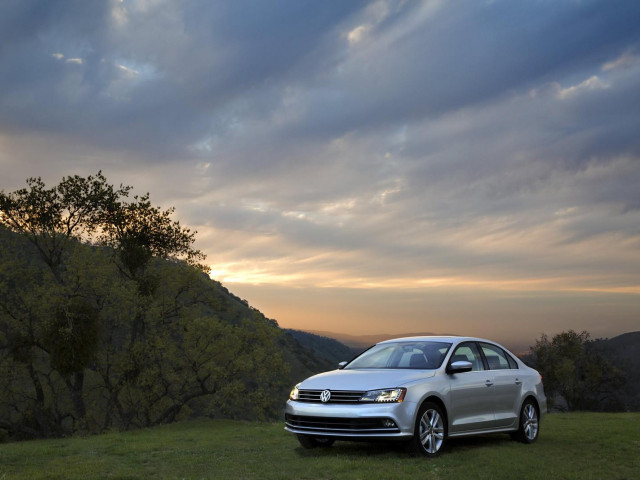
x=94 y=347
x=223 y=304
x=328 y=349
x=302 y=358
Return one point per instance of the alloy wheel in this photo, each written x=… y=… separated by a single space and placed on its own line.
x=431 y=431
x=530 y=422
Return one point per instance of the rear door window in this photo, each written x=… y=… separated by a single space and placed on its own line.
x=495 y=356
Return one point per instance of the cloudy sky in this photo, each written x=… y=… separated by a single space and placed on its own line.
x=469 y=167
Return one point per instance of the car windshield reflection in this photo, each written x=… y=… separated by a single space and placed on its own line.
x=424 y=355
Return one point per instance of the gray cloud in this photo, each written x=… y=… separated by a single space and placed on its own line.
x=146 y=76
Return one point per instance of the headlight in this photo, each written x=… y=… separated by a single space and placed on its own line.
x=388 y=395
x=294 y=393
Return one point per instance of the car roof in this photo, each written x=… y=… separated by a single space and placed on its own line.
x=436 y=338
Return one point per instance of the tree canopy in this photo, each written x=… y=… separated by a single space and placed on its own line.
x=108 y=319
x=573 y=370
x=92 y=210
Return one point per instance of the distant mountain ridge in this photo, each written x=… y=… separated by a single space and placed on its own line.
x=624 y=352
x=361 y=342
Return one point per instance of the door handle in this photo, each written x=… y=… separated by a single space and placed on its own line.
x=488 y=383
x=518 y=382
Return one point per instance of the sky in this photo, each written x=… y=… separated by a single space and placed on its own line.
x=468 y=167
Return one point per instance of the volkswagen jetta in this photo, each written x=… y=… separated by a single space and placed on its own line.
x=423 y=390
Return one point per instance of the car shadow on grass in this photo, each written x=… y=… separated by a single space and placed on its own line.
x=362 y=449
x=355 y=449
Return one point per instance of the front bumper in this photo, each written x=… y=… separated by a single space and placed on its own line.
x=353 y=421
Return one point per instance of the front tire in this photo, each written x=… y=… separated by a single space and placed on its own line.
x=309 y=442
x=529 y=425
x=430 y=431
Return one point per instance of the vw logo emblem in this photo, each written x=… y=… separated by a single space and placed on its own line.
x=325 y=396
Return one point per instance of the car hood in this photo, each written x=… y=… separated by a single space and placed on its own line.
x=364 y=379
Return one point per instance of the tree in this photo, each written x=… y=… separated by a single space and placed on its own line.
x=573 y=369
x=77 y=209
x=107 y=318
x=51 y=218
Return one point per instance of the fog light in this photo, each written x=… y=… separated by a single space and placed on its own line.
x=387 y=423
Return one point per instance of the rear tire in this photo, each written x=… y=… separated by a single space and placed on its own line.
x=529 y=423
x=309 y=442
x=430 y=431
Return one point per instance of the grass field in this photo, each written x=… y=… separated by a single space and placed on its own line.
x=571 y=446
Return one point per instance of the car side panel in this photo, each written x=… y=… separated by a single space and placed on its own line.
x=471 y=402
x=507 y=395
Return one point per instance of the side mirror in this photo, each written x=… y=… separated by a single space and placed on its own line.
x=341 y=365
x=459 y=367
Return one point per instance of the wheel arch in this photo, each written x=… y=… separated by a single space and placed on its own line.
x=438 y=401
x=534 y=400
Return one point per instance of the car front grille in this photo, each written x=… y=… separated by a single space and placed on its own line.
x=337 y=396
x=338 y=425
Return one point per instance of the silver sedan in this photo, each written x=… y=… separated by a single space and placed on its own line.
x=423 y=390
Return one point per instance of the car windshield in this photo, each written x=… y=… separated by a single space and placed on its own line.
x=419 y=355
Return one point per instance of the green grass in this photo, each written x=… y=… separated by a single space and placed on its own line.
x=571 y=446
